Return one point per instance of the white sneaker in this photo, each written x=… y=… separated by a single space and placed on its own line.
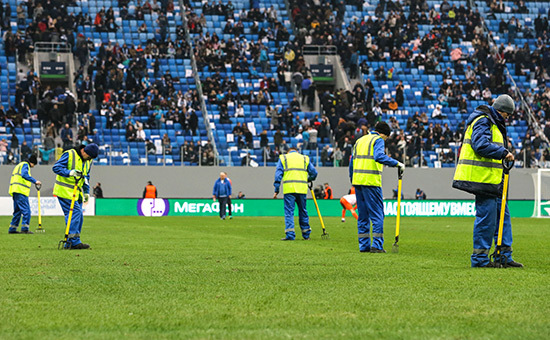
x=343 y=220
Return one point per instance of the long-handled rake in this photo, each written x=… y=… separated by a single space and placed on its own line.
x=64 y=242
x=395 y=248
x=40 y=229
x=499 y=259
x=324 y=236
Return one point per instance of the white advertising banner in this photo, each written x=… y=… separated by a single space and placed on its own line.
x=49 y=206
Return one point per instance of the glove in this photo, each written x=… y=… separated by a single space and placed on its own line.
x=75 y=173
x=401 y=166
x=86 y=197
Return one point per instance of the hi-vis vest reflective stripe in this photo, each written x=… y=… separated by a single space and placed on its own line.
x=18 y=184
x=295 y=173
x=473 y=168
x=366 y=171
x=64 y=185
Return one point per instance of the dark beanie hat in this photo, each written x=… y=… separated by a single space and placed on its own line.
x=504 y=103
x=382 y=127
x=32 y=159
x=92 y=150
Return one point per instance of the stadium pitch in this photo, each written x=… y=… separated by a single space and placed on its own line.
x=200 y=277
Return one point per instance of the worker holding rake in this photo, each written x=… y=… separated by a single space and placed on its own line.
x=365 y=171
x=295 y=171
x=20 y=188
x=72 y=188
x=479 y=171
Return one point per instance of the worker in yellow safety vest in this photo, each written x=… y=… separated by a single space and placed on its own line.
x=365 y=171
x=479 y=171
x=74 y=168
x=20 y=188
x=295 y=171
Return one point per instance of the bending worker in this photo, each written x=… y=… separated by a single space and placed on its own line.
x=74 y=166
x=365 y=171
x=150 y=191
x=295 y=171
x=349 y=202
x=479 y=172
x=20 y=188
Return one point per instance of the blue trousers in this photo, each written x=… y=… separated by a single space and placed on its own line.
x=21 y=208
x=486 y=230
x=303 y=218
x=76 y=222
x=223 y=203
x=370 y=208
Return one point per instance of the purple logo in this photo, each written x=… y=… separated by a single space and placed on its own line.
x=153 y=207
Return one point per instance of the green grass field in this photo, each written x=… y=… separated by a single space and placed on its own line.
x=202 y=278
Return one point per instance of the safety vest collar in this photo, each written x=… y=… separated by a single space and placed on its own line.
x=494 y=117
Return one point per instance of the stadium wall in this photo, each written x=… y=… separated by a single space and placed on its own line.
x=269 y=207
x=197 y=182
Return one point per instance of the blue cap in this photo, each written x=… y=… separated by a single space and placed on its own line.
x=92 y=150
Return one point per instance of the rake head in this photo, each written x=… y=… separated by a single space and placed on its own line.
x=395 y=248
x=40 y=230
x=324 y=235
x=500 y=261
x=63 y=245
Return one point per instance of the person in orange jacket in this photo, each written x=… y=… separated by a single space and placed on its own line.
x=150 y=191
x=328 y=192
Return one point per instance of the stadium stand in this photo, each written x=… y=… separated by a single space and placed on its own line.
x=423 y=66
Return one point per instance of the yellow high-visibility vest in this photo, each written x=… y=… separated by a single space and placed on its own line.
x=366 y=171
x=18 y=184
x=295 y=173
x=476 y=174
x=64 y=185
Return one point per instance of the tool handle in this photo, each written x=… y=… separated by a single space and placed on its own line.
x=318 y=211
x=398 y=216
x=37 y=186
x=310 y=186
x=507 y=165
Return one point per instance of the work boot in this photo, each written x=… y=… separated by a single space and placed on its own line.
x=365 y=250
x=80 y=246
x=26 y=232
x=376 y=250
x=14 y=232
x=491 y=265
x=287 y=239
x=514 y=264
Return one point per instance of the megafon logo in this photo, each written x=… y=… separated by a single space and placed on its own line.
x=153 y=207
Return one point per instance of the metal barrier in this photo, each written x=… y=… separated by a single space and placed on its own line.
x=56 y=47
x=319 y=50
